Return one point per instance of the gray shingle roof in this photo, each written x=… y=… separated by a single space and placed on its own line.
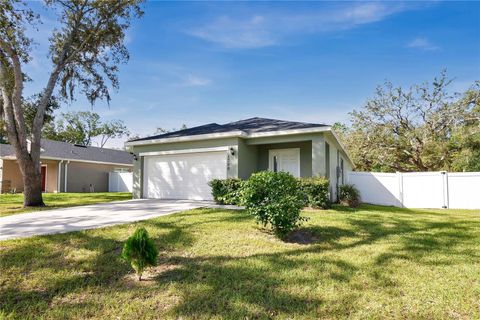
x=252 y=125
x=64 y=150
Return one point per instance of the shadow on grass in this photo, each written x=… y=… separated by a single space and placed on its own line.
x=240 y=288
x=318 y=235
x=256 y=285
x=101 y=266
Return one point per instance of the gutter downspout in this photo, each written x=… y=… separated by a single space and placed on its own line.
x=59 y=176
x=66 y=175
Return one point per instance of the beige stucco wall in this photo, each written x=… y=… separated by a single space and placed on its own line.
x=81 y=174
x=52 y=169
x=1 y=175
x=11 y=172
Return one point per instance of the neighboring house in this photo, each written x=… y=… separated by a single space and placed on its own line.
x=65 y=167
x=179 y=165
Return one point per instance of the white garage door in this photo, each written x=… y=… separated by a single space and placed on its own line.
x=183 y=176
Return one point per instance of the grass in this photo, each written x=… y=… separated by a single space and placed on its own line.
x=13 y=203
x=374 y=262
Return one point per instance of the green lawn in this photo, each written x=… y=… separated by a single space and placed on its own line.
x=376 y=262
x=13 y=203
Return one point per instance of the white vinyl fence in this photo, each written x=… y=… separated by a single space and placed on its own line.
x=419 y=189
x=120 y=181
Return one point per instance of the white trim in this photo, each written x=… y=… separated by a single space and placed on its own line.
x=46 y=175
x=66 y=175
x=289 y=132
x=87 y=161
x=270 y=162
x=59 y=176
x=75 y=160
x=197 y=150
x=231 y=134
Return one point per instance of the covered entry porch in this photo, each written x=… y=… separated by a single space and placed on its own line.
x=301 y=155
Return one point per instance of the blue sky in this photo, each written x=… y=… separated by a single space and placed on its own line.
x=202 y=62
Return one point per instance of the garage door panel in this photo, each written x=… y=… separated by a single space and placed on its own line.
x=183 y=176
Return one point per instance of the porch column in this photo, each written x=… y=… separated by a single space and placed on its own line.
x=318 y=156
x=59 y=176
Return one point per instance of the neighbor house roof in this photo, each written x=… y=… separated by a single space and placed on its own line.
x=247 y=126
x=66 y=151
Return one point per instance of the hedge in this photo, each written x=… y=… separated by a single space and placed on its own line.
x=315 y=191
x=227 y=191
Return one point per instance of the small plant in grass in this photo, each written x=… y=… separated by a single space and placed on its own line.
x=349 y=195
x=140 y=251
x=275 y=199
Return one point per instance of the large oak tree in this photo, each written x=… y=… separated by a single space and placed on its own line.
x=85 y=50
x=421 y=128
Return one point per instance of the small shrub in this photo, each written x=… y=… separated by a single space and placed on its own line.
x=349 y=195
x=316 y=191
x=227 y=191
x=275 y=199
x=140 y=251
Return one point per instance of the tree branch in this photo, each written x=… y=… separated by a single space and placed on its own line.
x=16 y=97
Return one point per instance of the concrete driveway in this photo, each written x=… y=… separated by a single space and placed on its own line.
x=91 y=216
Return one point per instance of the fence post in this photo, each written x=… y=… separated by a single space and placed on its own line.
x=400 y=188
x=445 y=189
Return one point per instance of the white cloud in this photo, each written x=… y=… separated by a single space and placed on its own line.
x=196 y=81
x=251 y=32
x=423 y=44
x=272 y=27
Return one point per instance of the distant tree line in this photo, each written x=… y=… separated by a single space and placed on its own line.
x=76 y=127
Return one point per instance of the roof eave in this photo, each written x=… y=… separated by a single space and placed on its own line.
x=343 y=147
x=289 y=132
x=209 y=136
x=230 y=134
x=128 y=164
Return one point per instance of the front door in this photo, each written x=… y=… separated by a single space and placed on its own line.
x=44 y=178
x=286 y=160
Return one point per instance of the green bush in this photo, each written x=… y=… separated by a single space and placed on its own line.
x=349 y=195
x=227 y=191
x=316 y=191
x=275 y=199
x=140 y=251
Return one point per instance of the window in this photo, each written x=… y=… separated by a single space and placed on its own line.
x=341 y=168
x=275 y=164
x=121 y=170
x=327 y=160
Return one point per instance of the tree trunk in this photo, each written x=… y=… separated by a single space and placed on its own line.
x=32 y=184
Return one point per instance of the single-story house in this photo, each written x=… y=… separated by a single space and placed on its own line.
x=179 y=165
x=66 y=167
